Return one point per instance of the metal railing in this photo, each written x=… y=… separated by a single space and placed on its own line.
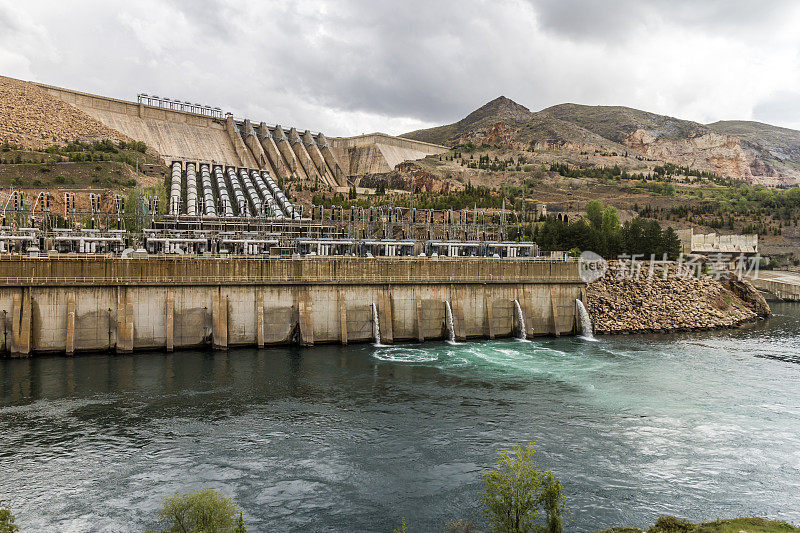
x=248 y=270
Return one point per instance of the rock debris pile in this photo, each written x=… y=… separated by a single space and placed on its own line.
x=32 y=118
x=621 y=303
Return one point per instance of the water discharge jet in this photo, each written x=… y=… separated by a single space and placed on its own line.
x=376 y=326
x=450 y=326
x=523 y=335
x=586 y=321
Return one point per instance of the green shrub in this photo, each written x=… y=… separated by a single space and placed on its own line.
x=7 y=524
x=204 y=510
x=518 y=496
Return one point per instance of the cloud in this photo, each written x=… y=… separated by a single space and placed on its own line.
x=782 y=107
x=21 y=38
x=351 y=66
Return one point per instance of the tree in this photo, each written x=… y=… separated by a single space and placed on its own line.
x=202 y=511
x=594 y=212
x=7 y=524
x=672 y=243
x=521 y=498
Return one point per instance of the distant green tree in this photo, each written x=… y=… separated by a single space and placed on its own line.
x=594 y=212
x=202 y=511
x=671 y=243
x=521 y=498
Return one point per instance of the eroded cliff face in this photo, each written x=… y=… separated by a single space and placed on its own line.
x=498 y=134
x=403 y=176
x=711 y=152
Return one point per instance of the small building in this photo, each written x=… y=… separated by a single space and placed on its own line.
x=713 y=243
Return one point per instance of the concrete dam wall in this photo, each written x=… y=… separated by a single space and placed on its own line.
x=377 y=152
x=78 y=304
x=186 y=136
x=176 y=135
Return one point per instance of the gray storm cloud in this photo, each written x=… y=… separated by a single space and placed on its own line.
x=348 y=67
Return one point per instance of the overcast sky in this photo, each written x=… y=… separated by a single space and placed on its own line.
x=351 y=66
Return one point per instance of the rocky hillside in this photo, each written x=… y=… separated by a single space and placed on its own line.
x=748 y=151
x=777 y=149
x=501 y=110
x=32 y=118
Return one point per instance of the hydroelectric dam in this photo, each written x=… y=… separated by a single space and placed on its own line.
x=235 y=259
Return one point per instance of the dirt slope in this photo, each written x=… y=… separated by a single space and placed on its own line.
x=32 y=118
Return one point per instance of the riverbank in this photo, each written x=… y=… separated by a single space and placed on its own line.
x=670 y=524
x=620 y=303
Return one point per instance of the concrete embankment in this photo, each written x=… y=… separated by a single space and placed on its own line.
x=621 y=303
x=73 y=304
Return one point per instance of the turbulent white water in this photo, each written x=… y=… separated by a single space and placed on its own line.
x=521 y=319
x=586 y=322
x=450 y=326
x=376 y=326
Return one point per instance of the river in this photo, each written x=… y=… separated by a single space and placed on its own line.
x=356 y=438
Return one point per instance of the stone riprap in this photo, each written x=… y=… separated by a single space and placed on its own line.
x=619 y=303
x=32 y=118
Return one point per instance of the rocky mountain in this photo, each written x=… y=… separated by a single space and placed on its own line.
x=749 y=151
x=501 y=110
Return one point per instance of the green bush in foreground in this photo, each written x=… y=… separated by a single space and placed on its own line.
x=7 y=524
x=519 y=497
x=202 y=511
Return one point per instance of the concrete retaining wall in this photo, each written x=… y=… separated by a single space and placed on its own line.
x=82 y=304
x=176 y=135
x=777 y=289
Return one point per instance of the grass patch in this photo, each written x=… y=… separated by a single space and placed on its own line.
x=670 y=524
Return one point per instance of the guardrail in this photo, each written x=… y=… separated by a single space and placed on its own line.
x=247 y=270
x=165 y=257
x=271 y=280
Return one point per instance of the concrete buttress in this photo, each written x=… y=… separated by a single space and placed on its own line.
x=282 y=142
x=306 y=321
x=170 y=320
x=302 y=155
x=330 y=159
x=219 y=319
x=70 y=348
x=273 y=154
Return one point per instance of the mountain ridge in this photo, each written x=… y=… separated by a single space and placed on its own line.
x=749 y=151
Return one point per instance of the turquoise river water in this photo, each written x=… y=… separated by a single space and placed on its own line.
x=355 y=438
